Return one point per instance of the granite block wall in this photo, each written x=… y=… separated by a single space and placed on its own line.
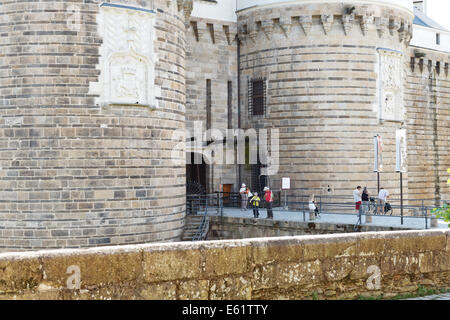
x=325 y=73
x=76 y=172
x=428 y=124
x=212 y=55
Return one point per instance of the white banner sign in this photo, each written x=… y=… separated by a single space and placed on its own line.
x=378 y=154
x=400 y=138
x=286 y=183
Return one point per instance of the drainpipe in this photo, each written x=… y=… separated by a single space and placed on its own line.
x=239 y=166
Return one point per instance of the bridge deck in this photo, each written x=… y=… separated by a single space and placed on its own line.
x=280 y=214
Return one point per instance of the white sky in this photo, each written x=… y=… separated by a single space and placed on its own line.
x=439 y=11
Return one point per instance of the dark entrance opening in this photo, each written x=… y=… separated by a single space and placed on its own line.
x=196 y=175
x=259 y=181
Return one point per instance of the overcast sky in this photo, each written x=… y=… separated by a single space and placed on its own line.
x=439 y=11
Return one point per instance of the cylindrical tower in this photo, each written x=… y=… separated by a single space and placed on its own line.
x=90 y=95
x=333 y=75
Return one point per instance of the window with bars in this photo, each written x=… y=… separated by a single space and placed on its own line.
x=257 y=97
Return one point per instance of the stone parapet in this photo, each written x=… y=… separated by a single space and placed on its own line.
x=329 y=18
x=344 y=266
x=221 y=228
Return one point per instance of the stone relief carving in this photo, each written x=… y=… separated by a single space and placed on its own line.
x=391 y=88
x=127 y=75
x=389 y=102
x=127 y=57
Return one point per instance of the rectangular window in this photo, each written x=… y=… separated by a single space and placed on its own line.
x=230 y=105
x=438 y=38
x=257 y=97
x=208 y=103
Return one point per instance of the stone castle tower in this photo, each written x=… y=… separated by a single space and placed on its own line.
x=334 y=73
x=90 y=95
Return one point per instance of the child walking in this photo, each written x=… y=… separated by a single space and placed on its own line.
x=255 y=204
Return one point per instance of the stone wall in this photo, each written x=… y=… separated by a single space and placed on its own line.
x=324 y=73
x=221 y=228
x=428 y=124
x=327 y=266
x=212 y=54
x=78 y=167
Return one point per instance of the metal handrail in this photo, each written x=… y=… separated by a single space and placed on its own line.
x=343 y=197
x=204 y=225
x=233 y=199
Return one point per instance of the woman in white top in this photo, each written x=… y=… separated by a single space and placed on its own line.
x=313 y=207
x=244 y=192
x=382 y=196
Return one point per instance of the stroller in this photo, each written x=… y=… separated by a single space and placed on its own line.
x=372 y=210
x=388 y=209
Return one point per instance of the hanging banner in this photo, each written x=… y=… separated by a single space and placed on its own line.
x=400 y=138
x=378 y=154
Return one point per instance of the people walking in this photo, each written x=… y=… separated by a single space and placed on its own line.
x=357 y=198
x=313 y=208
x=365 y=201
x=382 y=197
x=244 y=193
x=268 y=197
x=255 y=204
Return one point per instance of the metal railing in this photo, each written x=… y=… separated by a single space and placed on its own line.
x=233 y=199
x=196 y=203
x=201 y=232
x=203 y=205
x=343 y=205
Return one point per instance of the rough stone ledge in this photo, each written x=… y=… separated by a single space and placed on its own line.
x=202 y=245
x=233 y=269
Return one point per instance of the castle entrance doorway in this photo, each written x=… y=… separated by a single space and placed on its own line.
x=196 y=175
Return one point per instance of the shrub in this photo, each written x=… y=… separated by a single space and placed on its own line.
x=443 y=212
